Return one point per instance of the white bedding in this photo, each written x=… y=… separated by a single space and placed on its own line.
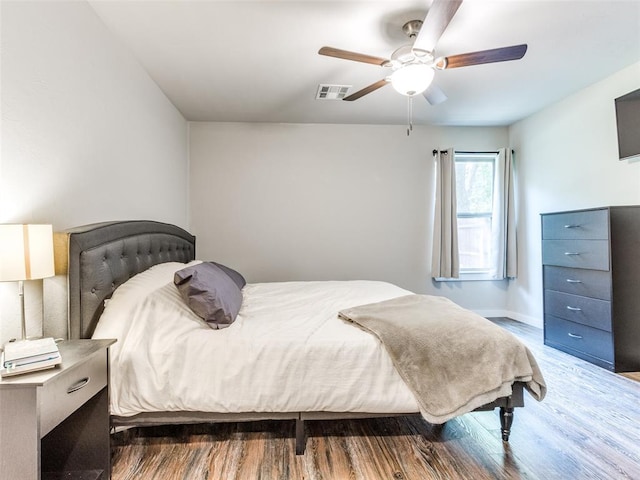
x=287 y=351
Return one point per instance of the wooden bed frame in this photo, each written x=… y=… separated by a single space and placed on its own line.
x=102 y=256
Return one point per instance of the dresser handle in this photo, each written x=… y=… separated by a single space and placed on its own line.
x=573 y=335
x=574 y=309
x=571 y=253
x=569 y=280
x=78 y=385
x=572 y=226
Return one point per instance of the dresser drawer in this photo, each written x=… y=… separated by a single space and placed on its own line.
x=66 y=392
x=587 y=311
x=589 y=254
x=581 y=338
x=577 y=281
x=586 y=225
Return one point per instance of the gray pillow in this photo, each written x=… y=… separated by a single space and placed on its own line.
x=210 y=292
x=237 y=278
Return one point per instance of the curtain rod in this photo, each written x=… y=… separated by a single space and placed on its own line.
x=444 y=152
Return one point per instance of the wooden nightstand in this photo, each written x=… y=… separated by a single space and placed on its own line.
x=55 y=423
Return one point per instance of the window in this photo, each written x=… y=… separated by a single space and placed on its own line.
x=474 y=197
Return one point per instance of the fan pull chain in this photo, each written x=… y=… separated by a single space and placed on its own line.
x=410 y=114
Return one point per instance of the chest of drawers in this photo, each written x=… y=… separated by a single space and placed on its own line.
x=591 y=280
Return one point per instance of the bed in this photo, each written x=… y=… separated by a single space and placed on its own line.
x=339 y=372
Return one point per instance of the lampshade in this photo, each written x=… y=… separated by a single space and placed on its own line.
x=26 y=252
x=412 y=79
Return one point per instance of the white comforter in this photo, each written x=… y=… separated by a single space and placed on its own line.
x=287 y=351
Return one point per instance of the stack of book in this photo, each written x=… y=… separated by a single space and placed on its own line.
x=24 y=356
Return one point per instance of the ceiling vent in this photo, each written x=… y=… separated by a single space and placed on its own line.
x=332 y=92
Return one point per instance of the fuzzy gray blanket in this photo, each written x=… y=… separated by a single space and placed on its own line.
x=452 y=359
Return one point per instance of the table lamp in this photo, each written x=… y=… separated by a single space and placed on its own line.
x=26 y=253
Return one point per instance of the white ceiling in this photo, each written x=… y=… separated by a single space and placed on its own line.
x=257 y=61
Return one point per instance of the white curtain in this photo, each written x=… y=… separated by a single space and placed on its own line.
x=445 y=261
x=504 y=261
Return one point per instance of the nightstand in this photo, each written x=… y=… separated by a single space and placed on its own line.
x=55 y=423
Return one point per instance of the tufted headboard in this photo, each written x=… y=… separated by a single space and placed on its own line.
x=102 y=256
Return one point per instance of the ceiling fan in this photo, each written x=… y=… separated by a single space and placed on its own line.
x=414 y=65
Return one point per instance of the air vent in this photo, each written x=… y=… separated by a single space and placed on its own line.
x=332 y=92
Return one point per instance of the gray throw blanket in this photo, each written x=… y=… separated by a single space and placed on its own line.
x=452 y=359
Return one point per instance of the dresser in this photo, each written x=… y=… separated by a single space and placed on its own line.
x=591 y=281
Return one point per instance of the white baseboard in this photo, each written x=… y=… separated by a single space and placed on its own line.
x=533 y=321
x=491 y=313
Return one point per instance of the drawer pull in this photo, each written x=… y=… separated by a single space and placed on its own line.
x=573 y=335
x=569 y=254
x=574 y=309
x=572 y=226
x=570 y=280
x=78 y=385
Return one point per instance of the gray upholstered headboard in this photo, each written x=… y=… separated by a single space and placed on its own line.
x=102 y=256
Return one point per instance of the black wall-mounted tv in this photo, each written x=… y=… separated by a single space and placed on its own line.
x=628 y=122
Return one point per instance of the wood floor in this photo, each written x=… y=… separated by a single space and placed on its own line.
x=588 y=427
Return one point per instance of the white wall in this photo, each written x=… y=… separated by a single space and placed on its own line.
x=87 y=136
x=84 y=129
x=314 y=202
x=568 y=159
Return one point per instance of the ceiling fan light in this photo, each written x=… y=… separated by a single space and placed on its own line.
x=412 y=79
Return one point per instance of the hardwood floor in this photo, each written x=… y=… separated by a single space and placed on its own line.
x=587 y=427
x=632 y=375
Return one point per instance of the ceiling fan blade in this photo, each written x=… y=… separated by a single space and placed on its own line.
x=434 y=94
x=504 y=54
x=435 y=23
x=366 y=90
x=356 y=57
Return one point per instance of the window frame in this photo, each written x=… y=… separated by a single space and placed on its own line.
x=485 y=157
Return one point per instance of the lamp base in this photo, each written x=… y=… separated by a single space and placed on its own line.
x=23 y=322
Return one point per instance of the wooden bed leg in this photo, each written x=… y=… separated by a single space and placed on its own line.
x=506 y=419
x=300 y=438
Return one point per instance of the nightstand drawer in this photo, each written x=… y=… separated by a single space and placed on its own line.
x=589 y=254
x=581 y=338
x=578 y=281
x=587 y=224
x=68 y=391
x=587 y=311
